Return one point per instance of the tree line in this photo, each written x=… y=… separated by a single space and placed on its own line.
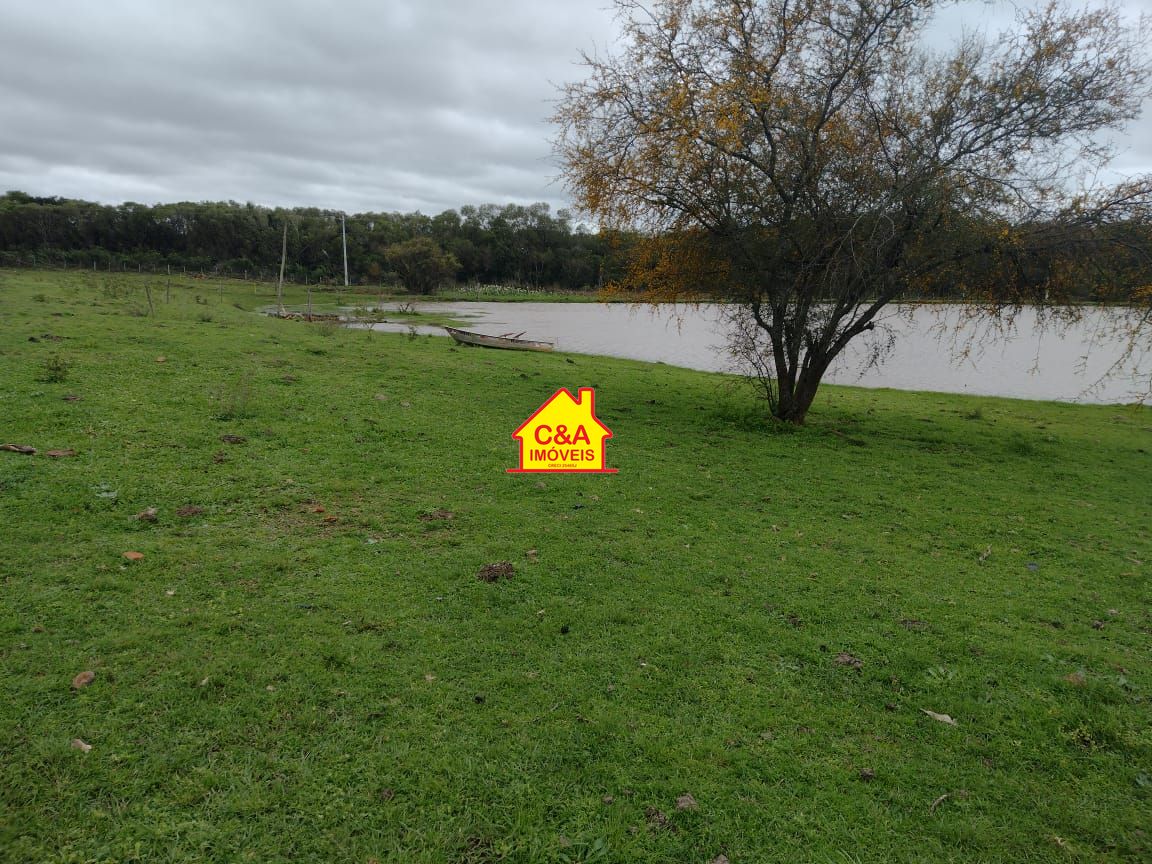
x=517 y=245
x=528 y=246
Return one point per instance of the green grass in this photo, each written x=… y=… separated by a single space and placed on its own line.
x=275 y=681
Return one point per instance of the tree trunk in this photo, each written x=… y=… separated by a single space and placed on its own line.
x=805 y=394
x=796 y=392
x=793 y=407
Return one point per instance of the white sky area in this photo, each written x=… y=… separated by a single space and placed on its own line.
x=362 y=105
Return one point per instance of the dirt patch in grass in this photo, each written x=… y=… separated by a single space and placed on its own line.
x=496 y=572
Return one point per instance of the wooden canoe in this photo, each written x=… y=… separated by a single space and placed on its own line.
x=304 y=316
x=511 y=343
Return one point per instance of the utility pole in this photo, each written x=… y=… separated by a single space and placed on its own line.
x=344 y=241
x=280 y=284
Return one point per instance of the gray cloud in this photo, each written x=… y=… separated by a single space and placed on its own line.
x=361 y=105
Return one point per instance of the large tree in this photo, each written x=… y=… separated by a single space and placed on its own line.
x=421 y=264
x=812 y=161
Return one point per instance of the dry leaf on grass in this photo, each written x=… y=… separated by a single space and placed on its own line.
x=133 y=556
x=78 y=744
x=59 y=454
x=686 y=802
x=959 y=795
x=846 y=659
x=83 y=680
x=532 y=555
x=148 y=515
x=943 y=718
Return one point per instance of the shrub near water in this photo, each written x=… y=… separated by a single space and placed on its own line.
x=728 y=648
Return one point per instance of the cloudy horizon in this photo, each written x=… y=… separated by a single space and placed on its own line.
x=370 y=106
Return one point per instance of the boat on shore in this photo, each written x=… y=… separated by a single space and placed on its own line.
x=307 y=316
x=508 y=341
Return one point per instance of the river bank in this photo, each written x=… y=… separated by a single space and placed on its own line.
x=934 y=347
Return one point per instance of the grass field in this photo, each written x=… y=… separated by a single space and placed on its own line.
x=304 y=666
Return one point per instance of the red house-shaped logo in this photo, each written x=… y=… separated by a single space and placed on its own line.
x=563 y=436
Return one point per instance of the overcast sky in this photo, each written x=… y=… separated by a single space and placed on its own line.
x=357 y=105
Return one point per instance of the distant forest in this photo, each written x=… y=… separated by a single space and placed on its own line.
x=510 y=245
x=526 y=246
